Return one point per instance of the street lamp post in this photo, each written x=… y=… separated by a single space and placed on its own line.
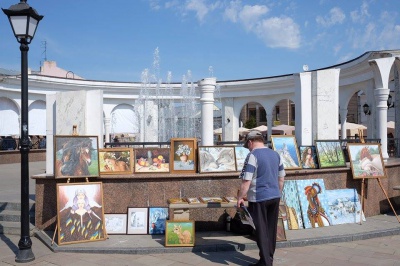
x=24 y=20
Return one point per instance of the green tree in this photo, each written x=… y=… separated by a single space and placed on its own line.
x=251 y=123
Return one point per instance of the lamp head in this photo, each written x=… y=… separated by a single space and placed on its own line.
x=24 y=21
x=366 y=109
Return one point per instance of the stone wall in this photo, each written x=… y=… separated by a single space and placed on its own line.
x=7 y=157
x=121 y=192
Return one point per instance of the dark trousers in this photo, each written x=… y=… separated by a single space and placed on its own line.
x=265 y=216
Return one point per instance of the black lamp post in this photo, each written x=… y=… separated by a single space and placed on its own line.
x=24 y=20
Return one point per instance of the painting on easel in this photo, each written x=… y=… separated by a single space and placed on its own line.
x=80 y=215
x=366 y=160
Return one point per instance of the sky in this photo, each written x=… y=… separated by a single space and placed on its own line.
x=195 y=39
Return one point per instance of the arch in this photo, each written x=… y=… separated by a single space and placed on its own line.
x=37 y=118
x=9 y=117
x=124 y=119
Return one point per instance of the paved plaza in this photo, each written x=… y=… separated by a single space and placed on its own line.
x=375 y=242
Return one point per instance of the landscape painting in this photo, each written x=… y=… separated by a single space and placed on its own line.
x=286 y=146
x=330 y=154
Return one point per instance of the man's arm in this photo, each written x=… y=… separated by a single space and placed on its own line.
x=281 y=182
x=244 y=187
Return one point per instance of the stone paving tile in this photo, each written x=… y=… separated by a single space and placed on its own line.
x=336 y=262
x=371 y=260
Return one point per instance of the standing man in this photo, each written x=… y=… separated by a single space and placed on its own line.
x=262 y=181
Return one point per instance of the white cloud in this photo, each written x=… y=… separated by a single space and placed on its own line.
x=360 y=16
x=199 y=7
x=232 y=11
x=335 y=16
x=250 y=15
x=279 y=32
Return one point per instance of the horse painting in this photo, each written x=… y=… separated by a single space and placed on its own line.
x=74 y=157
x=366 y=160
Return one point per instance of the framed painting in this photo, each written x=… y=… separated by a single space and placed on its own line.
x=286 y=146
x=137 y=221
x=115 y=223
x=280 y=231
x=158 y=216
x=76 y=156
x=207 y=200
x=179 y=234
x=241 y=154
x=217 y=159
x=330 y=154
x=116 y=161
x=183 y=155
x=344 y=206
x=80 y=212
x=193 y=200
x=152 y=160
x=366 y=160
x=308 y=157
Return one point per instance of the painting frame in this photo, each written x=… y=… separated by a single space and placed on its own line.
x=240 y=154
x=83 y=150
x=325 y=147
x=366 y=160
x=287 y=148
x=134 y=225
x=211 y=158
x=180 y=162
x=116 y=158
x=115 y=223
x=151 y=160
x=83 y=199
x=303 y=151
x=172 y=238
x=158 y=216
x=280 y=231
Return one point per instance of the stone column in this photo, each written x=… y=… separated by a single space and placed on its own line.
x=107 y=128
x=381 y=68
x=207 y=88
x=343 y=120
x=303 y=119
x=270 y=124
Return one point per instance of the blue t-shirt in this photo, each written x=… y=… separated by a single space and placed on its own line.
x=263 y=167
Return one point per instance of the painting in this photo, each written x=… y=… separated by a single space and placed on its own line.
x=179 y=234
x=183 y=155
x=314 y=203
x=207 y=200
x=177 y=201
x=217 y=159
x=286 y=146
x=115 y=223
x=330 y=154
x=80 y=212
x=158 y=216
x=366 y=160
x=344 y=206
x=290 y=197
x=193 y=200
x=116 y=161
x=308 y=157
x=280 y=231
x=76 y=156
x=137 y=221
x=152 y=160
x=241 y=154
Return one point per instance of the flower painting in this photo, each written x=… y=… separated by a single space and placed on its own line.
x=183 y=155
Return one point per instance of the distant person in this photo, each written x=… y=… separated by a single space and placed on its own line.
x=262 y=181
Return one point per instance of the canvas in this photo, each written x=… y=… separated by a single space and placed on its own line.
x=366 y=160
x=158 y=217
x=286 y=146
x=80 y=213
x=314 y=203
x=290 y=197
x=344 y=206
x=180 y=234
x=183 y=155
x=241 y=154
x=116 y=161
x=280 y=231
x=330 y=154
x=115 y=223
x=217 y=159
x=76 y=156
x=137 y=221
x=308 y=157
x=152 y=160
